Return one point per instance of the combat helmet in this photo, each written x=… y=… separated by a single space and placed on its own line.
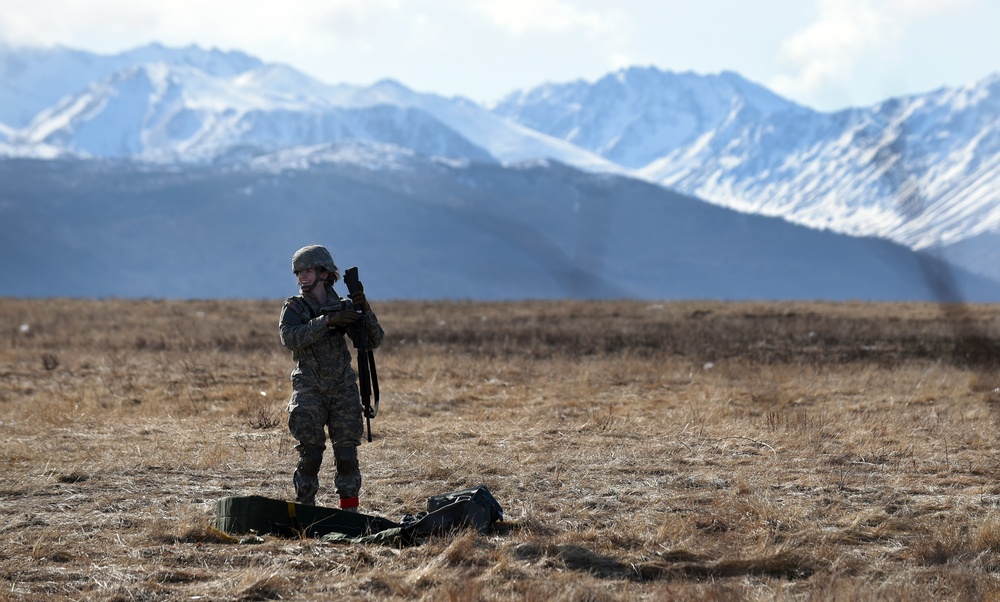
x=314 y=256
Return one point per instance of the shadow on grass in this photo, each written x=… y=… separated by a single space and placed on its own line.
x=676 y=564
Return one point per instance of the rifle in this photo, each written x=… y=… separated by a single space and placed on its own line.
x=367 y=376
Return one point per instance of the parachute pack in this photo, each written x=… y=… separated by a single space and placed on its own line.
x=474 y=507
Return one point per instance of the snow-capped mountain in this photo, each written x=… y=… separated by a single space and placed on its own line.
x=34 y=79
x=191 y=108
x=921 y=170
x=162 y=112
x=638 y=115
x=509 y=142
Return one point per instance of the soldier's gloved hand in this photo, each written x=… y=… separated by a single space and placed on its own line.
x=341 y=319
x=360 y=301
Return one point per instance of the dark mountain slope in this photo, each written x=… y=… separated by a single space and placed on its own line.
x=419 y=229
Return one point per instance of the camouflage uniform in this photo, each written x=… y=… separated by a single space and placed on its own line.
x=324 y=393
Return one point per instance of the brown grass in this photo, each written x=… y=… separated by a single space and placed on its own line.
x=678 y=451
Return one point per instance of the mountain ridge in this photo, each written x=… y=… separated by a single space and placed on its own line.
x=849 y=170
x=920 y=170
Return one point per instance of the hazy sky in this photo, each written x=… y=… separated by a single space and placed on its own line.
x=826 y=54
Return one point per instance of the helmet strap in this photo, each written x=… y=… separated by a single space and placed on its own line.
x=316 y=282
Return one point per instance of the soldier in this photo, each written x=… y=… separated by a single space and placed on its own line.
x=324 y=385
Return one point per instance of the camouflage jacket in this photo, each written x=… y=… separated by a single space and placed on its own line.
x=322 y=354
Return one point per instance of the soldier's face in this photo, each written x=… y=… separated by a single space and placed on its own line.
x=306 y=277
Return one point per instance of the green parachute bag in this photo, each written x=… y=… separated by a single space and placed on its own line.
x=473 y=508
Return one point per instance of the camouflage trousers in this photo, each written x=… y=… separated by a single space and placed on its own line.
x=312 y=413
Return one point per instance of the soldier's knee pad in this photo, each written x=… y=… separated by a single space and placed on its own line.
x=347 y=459
x=310 y=460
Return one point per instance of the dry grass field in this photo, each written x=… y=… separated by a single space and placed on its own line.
x=676 y=451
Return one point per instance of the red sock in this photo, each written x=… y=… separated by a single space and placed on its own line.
x=348 y=502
